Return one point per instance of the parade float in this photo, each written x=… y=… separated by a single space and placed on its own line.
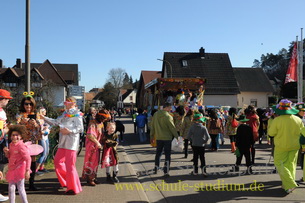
x=181 y=90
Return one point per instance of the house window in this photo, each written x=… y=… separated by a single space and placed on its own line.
x=184 y=63
x=130 y=98
x=36 y=84
x=253 y=102
x=10 y=84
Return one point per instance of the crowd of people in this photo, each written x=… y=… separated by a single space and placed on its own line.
x=282 y=126
x=24 y=145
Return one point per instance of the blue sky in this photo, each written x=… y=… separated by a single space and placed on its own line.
x=100 y=35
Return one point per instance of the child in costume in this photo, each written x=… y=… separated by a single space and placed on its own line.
x=286 y=130
x=244 y=142
x=44 y=142
x=19 y=162
x=5 y=96
x=94 y=134
x=110 y=155
x=71 y=125
x=199 y=136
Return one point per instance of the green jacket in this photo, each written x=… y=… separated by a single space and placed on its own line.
x=162 y=126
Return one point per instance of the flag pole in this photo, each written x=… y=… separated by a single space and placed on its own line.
x=298 y=73
x=300 y=65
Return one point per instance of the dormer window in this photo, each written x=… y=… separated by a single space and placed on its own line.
x=184 y=63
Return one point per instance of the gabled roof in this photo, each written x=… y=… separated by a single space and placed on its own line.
x=17 y=72
x=48 y=71
x=89 y=96
x=149 y=75
x=216 y=68
x=68 y=72
x=252 y=80
x=125 y=95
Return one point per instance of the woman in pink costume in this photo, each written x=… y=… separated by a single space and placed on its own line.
x=19 y=162
x=94 y=134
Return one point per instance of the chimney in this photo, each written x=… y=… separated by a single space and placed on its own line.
x=1 y=63
x=202 y=53
x=18 y=63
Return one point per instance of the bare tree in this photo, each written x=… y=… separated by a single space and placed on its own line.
x=116 y=77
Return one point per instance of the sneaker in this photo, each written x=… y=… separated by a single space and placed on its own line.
x=44 y=170
x=3 y=198
x=39 y=173
x=166 y=175
x=193 y=173
x=290 y=190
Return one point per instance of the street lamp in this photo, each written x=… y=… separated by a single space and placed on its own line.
x=170 y=66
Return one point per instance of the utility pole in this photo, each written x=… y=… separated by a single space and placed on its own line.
x=301 y=68
x=27 y=49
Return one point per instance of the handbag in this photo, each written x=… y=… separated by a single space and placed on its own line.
x=153 y=142
x=177 y=144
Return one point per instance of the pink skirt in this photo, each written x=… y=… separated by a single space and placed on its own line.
x=17 y=174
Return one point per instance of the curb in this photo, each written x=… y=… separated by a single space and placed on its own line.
x=141 y=193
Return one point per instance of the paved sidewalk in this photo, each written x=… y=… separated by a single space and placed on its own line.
x=103 y=193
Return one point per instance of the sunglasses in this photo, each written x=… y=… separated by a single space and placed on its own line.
x=66 y=103
x=26 y=104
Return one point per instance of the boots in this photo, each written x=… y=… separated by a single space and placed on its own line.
x=91 y=182
x=233 y=148
x=204 y=172
x=109 y=180
x=114 y=177
x=32 y=186
x=195 y=171
x=32 y=177
x=249 y=170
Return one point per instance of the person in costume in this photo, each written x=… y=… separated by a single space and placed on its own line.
x=178 y=116
x=286 y=129
x=19 y=162
x=30 y=119
x=253 y=122
x=244 y=142
x=199 y=136
x=302 y=142
x=93 y=146
x=44 y=142
x=110 y=156
x=5 y=96
x=71 y=125
x=186 y=124
x=214 y=127
x=180 y=98
x=230 y=130
x=301 y=107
